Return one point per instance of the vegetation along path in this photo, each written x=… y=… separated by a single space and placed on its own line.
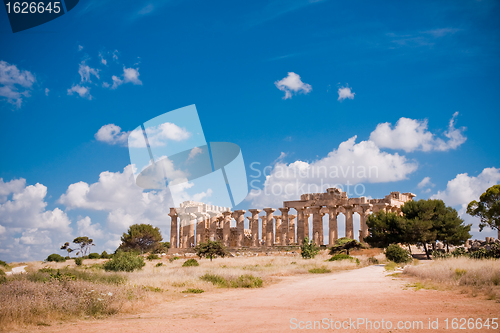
x=368 y=293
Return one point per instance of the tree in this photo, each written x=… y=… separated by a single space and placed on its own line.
x=450 y=229
x=487 y=209
x=142 y=237
x=162 y=247
x=345 y=244
x=210 y=250
x=308 y=250
x=84 y=243
x=385 y=229
x=67 y=248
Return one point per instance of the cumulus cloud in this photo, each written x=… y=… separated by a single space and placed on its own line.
x=117 y=194
x=351 y=163
x=130 y=75
x=158 y=136
x=425 y=184
x=82 y=91
x=86 y=72
x=345 y=93
x=27 y=228
x=195 y=151
x=412 y=134
x=464 y=188
x=292 y=84
x=15 y=84
x=111 y=134
x=85 y=227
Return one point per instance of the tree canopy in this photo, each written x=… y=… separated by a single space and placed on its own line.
x=83 y=242
x=142 y=237
x=345 y=244
x=210 y=250
x=487 y=209
x=385 y=229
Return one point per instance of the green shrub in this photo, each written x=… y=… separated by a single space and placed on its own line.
x=94 y=256
x=172 y=259
x=390 y=266
x=153 y=289
x=3 y=263
x=193 y=291
x=159 y=264
x=397 y=254
x=78 y=261
x=152 y=256
x=215 y=279
x=340 y=257
x=308 y=250
x=55 y=257
x=46 y=273
x=373 y=260
x=247 y=281
x=124 y=261
x=459 y=252
x=105 y=255
x=190 y=262
x=440 y=255
x=3 y=277
x=319 y=270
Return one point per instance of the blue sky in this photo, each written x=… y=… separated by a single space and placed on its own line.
x=291 y=82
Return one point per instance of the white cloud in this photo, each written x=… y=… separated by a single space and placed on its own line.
x=195 y=151
x=344 y=93
x=292 y=84
x=411 y=134
x=103 y=60
x=351 y=163
x=86 y=228
x=80 y=47
x=47 y=91
x=129 y=75
x=158 y=135
x=111 y=134
x=425 y=185
x=15 y=84
x=86 y=72
x=463 y=189
x=84 y=92
x=39 y=230
x=125 y=202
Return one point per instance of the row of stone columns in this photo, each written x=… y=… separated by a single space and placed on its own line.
x=276 y=230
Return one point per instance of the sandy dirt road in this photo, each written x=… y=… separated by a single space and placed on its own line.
x=364 y=293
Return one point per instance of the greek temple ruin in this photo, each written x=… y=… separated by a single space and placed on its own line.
x=195 y=222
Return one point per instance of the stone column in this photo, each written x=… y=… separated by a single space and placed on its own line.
x=277 y=230
x=284 y=226
x=300 y=225
x=191 y=227
x=254 y=226
x=269 y=226
x=173 y=228
x=212 y=228
x=184 y=230
x=200 y=227
x=349 y=225
x=363 y=232
x=263 y=231
x=291 y=228
x=306 y=224
x=332 y=226
x=239 y=216
x=226 y=227
x=316 y=224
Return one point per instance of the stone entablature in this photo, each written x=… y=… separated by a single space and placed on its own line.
x=200 y=222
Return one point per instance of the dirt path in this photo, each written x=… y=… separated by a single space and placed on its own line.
x=17 y=270
x=363 y=293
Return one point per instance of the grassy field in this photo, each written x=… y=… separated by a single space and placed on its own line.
x=470 y=276
x=51 y=292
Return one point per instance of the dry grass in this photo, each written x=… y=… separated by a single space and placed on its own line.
x=37 y=298
x=469 y=275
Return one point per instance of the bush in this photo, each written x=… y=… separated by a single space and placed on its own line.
x=373 y=260
x=397 y=254
x=152 y=256
x=124 y=261
x=173 y=258
x=3 y=277
x=215 y=279
x=190 y=262
x=105 y=255
x=78 y=261
x=3 y=263
x=94 y=256
x=308 y=250
x=341 y=256
x=319 y=270
x=55 y=257
x=193 y=291
x=247 y=281
x=159 y=264
x=459 y=252
x=440 y=255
